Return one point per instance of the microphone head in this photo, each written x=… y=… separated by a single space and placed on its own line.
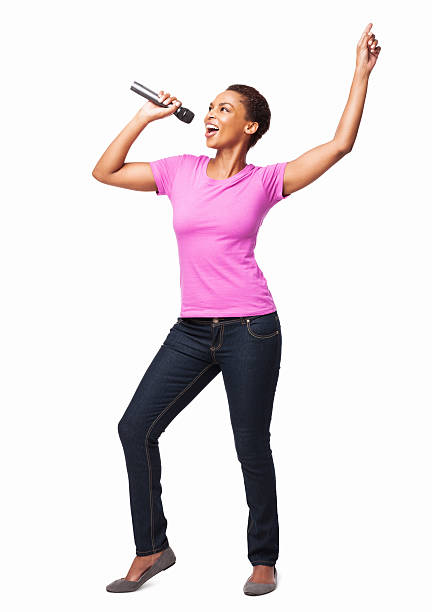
x=184 y=114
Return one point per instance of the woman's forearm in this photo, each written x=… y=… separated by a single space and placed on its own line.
x=347 y=129
x=114 y=157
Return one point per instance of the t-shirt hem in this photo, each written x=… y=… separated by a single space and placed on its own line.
x=206 y=313
x=158 y=180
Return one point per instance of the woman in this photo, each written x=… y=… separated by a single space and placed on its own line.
x=228 y=321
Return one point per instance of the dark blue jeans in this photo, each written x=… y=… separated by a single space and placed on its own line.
x=247 y=350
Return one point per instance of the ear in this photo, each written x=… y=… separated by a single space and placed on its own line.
x=252 y=128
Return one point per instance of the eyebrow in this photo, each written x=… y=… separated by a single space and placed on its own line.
x=222 y=103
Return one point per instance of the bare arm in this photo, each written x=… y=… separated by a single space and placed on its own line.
x=111 y=168
x=312 y=164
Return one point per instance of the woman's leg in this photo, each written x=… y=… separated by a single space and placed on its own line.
x=178 y=372
x=250 y=359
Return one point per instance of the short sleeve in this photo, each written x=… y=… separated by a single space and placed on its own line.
x=164 y=171
x=272 y=179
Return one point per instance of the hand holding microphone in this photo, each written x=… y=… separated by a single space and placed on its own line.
x=151 y=111
x=162 y=105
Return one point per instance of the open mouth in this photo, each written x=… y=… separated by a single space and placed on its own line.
x=211 y=130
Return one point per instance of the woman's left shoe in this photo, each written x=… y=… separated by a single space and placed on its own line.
x=259 y=588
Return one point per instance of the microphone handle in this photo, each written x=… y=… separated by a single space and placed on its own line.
x=184 y=114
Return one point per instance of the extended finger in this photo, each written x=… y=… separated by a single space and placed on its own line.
x=364 y=36
x=367 y=29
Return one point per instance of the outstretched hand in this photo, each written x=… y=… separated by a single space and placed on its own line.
x=367 y=51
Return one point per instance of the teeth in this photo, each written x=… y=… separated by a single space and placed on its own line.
x=209 y=125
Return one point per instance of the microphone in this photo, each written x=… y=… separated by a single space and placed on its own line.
x=184 y=114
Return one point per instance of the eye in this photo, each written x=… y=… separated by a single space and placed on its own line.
x=223 y=108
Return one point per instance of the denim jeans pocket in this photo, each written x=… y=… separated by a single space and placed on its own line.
x=266 y=326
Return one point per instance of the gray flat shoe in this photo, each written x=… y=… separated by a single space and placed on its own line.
x=259 y=588
x=163 y=562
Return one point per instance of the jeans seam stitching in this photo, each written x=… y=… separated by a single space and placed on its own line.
x=213 y=349
x=260 y=336
x=151 y=550
x=221 y=338
x=146 y=443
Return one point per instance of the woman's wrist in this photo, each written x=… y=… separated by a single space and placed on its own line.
x=361 y=73
x=140 y=120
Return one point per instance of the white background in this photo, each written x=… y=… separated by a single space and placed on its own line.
x=90 y=285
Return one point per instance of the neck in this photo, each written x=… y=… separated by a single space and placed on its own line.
x=227 y=163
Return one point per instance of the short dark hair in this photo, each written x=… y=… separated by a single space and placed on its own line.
x=257 y=109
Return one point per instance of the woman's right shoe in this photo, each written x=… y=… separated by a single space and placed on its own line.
x=163 y=562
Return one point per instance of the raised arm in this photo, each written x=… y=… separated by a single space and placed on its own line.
x=111 y=169
x=308 y=167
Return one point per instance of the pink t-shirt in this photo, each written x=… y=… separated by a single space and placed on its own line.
x=216 y=223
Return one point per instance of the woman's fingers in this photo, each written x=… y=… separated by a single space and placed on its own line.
x=373 y=43
x=163 y=96
x=365 y=35
x=167 y=99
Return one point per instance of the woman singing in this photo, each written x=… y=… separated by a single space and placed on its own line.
x=228 y=320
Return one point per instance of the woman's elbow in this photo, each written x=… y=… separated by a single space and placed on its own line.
x=97 y=175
